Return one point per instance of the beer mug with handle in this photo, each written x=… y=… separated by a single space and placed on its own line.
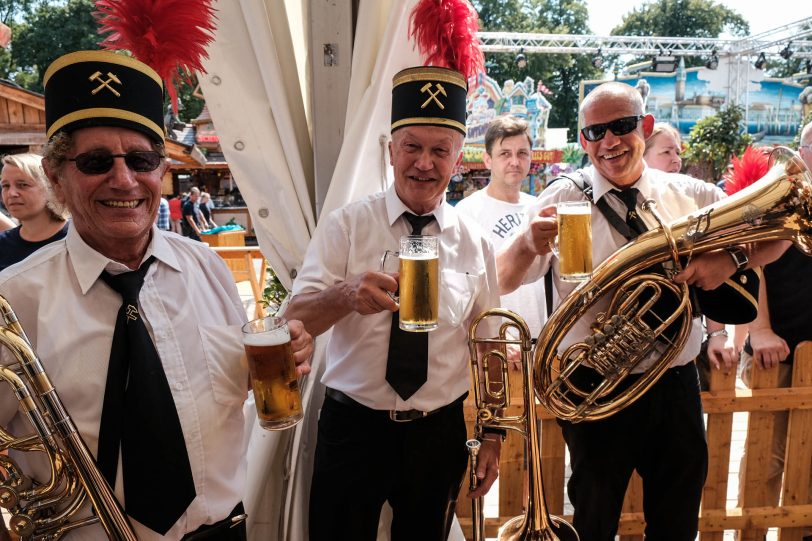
x=573 y=246
x=273 y=372
x=419 y=281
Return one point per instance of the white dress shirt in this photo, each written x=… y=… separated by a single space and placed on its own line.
x=192 y=310
x=675 y=195
x=349 y=242
x=500 y=220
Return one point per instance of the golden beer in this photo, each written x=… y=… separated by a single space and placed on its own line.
x=419 y=292
x=273 y=373
x=574 y=241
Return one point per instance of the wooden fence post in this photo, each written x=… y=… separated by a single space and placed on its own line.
x=753 y=491
x=798 y=459
x=719 y=431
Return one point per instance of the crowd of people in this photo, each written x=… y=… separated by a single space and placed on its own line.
x=96 y=236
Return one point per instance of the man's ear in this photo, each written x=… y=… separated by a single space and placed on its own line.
x=486 y=160
x=582 y=139
x=55 y=181
x=648 y=125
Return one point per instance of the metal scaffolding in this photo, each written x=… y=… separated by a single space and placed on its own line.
x=771 y=43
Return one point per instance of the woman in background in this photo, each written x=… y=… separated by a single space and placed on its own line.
x=28 y=196
x=663 y=148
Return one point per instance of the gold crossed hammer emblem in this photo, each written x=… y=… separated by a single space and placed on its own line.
x=433 y=95
x=132 y=312
x=105 y=83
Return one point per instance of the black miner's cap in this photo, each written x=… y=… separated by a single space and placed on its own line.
x=429 y=96
x=101 y=88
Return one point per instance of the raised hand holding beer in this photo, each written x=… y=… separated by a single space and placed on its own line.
x=573 y=246
x=273 y=372
x=419 y=282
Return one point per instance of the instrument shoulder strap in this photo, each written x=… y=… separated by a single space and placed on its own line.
x=583 y=183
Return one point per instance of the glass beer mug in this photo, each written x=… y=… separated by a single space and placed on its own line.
x=273 y=372
x=419 y=282
x=573 y=246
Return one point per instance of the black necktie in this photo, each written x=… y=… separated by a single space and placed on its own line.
x=633 y=220
x=139 y=415
x=407 y=364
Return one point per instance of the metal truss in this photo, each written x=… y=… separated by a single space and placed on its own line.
x=771 y=43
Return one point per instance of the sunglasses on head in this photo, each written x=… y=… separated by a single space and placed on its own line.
x=621 y=126
x=97 y=162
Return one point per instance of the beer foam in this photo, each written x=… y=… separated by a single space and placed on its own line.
x=267 y=338
x=575 y=210
x=419 y=257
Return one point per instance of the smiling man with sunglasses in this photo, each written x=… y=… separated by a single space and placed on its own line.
x=661 y=435
x=138 y=328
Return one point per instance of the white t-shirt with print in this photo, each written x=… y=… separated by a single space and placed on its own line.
x=501 y=220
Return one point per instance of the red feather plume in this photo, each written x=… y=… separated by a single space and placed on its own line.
x=170 y=36
x=445 y=33
x=753 y=165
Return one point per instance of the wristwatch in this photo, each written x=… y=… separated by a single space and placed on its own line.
x=739 y=257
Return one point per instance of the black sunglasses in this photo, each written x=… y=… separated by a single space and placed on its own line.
x=621 y=126
x=97 y=162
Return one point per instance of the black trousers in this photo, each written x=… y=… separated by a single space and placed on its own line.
x=662 y=436
x=364 y=459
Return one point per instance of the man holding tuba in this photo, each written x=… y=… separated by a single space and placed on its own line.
x=121 y=313
x=661 y=435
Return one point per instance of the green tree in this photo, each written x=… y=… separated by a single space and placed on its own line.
x=682 y=18
x=47 y=32
x=713 y=141
x=561 y=73
x=10 y=10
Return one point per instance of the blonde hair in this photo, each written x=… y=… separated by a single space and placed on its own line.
x=659 y=128
x=31 y=166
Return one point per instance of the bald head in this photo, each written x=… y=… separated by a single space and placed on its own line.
x=617 y=134
x=612 y=92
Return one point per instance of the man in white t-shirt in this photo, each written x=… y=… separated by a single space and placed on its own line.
x=501 y=206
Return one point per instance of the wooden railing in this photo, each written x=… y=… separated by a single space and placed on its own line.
x=723 y=399
x=241 y=261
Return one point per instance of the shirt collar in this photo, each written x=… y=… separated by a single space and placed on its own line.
x=88 y=264
x=395 y=209
x=601 y=186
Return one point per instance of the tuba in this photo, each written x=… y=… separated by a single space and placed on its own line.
x=777 y=207
x=47 y=511
x=489 y=371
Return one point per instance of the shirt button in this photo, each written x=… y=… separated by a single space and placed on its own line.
x=178 y=386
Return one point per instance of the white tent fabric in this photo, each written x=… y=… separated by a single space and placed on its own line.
x=253 y=94
x=254 y=97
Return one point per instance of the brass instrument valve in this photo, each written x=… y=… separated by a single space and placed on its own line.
x=610 y=347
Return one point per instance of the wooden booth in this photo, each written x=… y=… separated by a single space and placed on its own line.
x=22 y=119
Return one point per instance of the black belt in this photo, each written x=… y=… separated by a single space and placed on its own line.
x=399 y=416
x=230 y=528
